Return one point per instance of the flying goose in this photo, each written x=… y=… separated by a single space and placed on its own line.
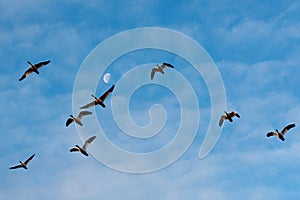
x=23 y=165
x=100 y=100
x=77 y=119
x=280 y=135
x=228 y=116
x=160 y=68
x=84 y=147
x=33 y=68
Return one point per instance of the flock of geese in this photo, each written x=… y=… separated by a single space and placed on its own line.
x=100 y=101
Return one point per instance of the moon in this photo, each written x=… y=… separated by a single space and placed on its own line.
x=106 y=77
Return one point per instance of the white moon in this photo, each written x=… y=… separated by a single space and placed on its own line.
x=106 y=77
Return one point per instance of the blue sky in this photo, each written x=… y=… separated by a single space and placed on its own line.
x=256 y=47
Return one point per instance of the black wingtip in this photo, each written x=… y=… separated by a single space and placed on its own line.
x=168 y=64
x=22 y=78
x=111 y=88
x=269 y=134
x=292 y=125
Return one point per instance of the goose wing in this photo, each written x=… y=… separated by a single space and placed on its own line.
x=15 y=167
x=222 y=118
x=93 y=103
x=272 y=134
x=288 y=127
x=233 y=113
x=165 y=64
x=69 y=121
x=74 y=149
x=41 y=64
x=26 y=73
x=83 y=113
x=104 y=96
x=153 y=72
x=29 y=159
x=238 y=116
x=88 y=141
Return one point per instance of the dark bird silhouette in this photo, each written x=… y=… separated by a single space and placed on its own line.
x=77 y=119
x=160 y=68
x=100 y=100
x=33 y=68
x=84 y=147
x=23 y=165
x=228 y=116
x=281 y=134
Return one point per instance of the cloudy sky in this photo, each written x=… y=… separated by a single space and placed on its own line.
x=255 y=46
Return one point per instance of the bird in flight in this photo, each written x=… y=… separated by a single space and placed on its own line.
x=23 y=165
x=160 y=68
x=33 y=68
x=84 y=147
x=77 y=119
x=280 y=135
x=100 y=100
x=228 y=116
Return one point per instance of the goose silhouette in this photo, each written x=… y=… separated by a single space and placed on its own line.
x=77 y=119
x=23 y=165
x=160 y=68
x=228 y=116
x=100 y=100
x=84 y=147
x=281 y=134
x=33 y=68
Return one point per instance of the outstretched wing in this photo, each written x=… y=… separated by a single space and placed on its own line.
x=74 y=149
x=167 y=64
x=40 y=64
x=15 y=167
x=153 y=72
x=88 y=105
x=222 y=118
x=288 y=127
x=236 y=114
x=29 y=159
x=88 y=141
x=232 y=114
x=69 y=121
x=26 y=73
x=83 y=113
x=272 y=134
x=104 y=96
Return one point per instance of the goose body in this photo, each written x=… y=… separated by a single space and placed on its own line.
x=281 y=134
x=77 y=119
x=84 y=147
x=228 y=116
x=23 y=165
x=100 y=100
x=33 y=68
x=160 y=68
